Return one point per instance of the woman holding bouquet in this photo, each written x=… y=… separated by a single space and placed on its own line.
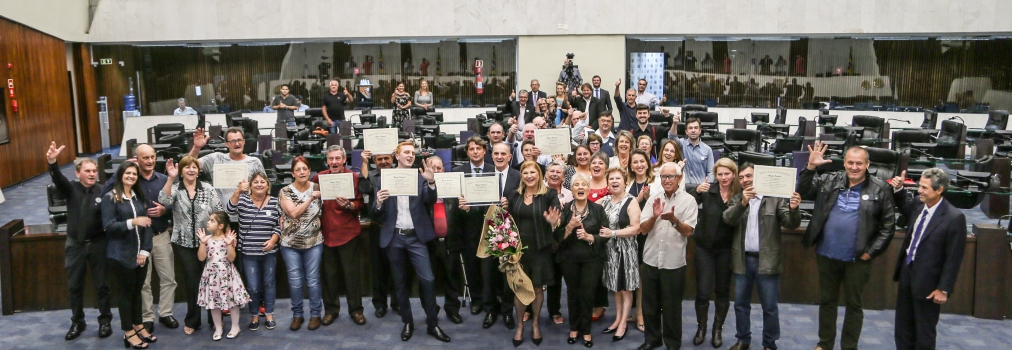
x=582 y=254
x=536 y=212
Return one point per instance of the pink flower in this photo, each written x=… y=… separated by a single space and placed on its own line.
x=513 y=234
x=513 y=243
x=498 y=237
x=503 y=245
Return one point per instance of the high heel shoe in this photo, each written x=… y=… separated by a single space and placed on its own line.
x=517 y=342
x=609 y=330
x=127 y=344
x=572 y=340
x=588 y=343
x=616 y=337
x=536 y=341
x=150 y=339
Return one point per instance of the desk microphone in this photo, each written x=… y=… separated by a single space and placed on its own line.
x=980 y=184
x=925 y=154
x=958 y=117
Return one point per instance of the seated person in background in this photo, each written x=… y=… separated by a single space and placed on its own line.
x=183 y=108
x=298 y=102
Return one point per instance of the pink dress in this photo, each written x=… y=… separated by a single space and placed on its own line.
x=220 y=284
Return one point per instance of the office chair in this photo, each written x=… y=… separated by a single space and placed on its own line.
x=707 y=120
x=658 y=118
x=756 y=159
x=951 y=140
x=742 y=140
x=997 y=121
x=694 y=108
x=57 y=207
x=930 y=119
x=760 y=118
x=825 y=120
x=885 y=163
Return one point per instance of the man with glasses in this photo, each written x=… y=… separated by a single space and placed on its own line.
x=236 y=142
x=667 y=220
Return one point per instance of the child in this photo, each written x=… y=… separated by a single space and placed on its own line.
x=220 y=285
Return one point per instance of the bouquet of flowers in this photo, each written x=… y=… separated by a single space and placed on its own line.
x=499 y=238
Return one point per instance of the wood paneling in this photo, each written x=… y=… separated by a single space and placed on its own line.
x=87 y=109
x=45 y=112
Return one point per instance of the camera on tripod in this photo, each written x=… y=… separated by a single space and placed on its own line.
x=570 y=65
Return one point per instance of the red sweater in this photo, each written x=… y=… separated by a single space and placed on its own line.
x=340 y=225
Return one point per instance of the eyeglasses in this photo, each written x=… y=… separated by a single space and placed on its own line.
x=668 y=177
x=232 y=142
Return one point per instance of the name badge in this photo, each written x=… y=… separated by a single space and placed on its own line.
x=98 y=200
x=702 y=157
x=864 y=197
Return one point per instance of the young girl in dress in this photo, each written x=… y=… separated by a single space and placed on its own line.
x=220 y=286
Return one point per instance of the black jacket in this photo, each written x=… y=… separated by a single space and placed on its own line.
x=572 y=249
x=543 y=233
x=876 y=226
x=513 y=109
x=711 y=232
x=593 y=112
x=464 y=225
x=84 y=208
x=125 y=243
x=936 y=262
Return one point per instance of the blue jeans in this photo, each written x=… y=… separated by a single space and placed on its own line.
x=768 y=287
x=259 y=270
x=304 y=263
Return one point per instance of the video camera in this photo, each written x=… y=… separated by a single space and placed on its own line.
x=570 y=66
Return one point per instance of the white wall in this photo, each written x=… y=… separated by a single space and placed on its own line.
x=540 y=57
x=195 y=20
x=64 y=19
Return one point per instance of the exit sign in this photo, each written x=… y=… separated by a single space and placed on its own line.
x=105 y=61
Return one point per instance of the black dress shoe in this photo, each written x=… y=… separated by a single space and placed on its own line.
x=647 y=346
x=475 y=308
x=169 y=321
x=149 y=326
x=408 y=331
x=490 y=319
x=739 y=346
x=104 y=330
x=588 y=343
x=455 y=318
x=509 y=321
x=571 y=340
x=616 y=338
x=380 y=312
x=437 y=333
x=609 y=330
x=75 y=330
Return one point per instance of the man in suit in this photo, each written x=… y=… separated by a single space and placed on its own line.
x=497 y=297
x=406 y=228
x=379 y=262
x=929 y=259
x=471 y=221
x=536 y=94
x=446 y=248
x=522 y=110
x=588 y=104
x=601 y=94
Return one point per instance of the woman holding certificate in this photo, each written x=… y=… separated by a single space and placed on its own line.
x=260 y=232
x=192 y=203
x=582 y=256
x=536 y=211
x=302 y=243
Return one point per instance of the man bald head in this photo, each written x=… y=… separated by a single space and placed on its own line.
x=529 y=131
x=539 y=122
x=145 y=159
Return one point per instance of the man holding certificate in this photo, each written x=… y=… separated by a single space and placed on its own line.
x=235 y=141
x=497 y=297
x=377 y=256
x=851 y=224
x=343 y=246
x=406 y=228
x=445 y=249
x=472 y=220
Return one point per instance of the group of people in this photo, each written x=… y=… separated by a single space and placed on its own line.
x=614 y=217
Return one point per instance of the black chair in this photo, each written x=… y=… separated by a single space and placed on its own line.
x=367 y=119
x=458 y=155
x=903 y=141
x=885 y=163
x=930 y=119
x=694 y=108
x=996 y=121
x=827 y=120
x=314 y=112
x=57 y=208
x=707 y=120
x=742 y=140
x=162 y=131
x=756 y=159
x=951 y=139
x=760 y=118
x=657 y=118
x=786 y=146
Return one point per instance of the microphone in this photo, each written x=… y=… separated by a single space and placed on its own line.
x=980 y=184
x=925 y=154
x=898 y=120
x=958 y=117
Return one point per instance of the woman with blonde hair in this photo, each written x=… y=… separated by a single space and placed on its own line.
x=623 y=145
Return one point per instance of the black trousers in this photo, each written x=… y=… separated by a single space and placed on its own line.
x=405 y=250
x=497 y=297
x=78 y=258
x=382 y=283
x=449 y=268
x=190 y=281
x=127 y=288
x=663 y=290
x=582 y=279
x=713 y=274
x=553 y=295
x=474 y=268
x=343 y=264
x=916 y=318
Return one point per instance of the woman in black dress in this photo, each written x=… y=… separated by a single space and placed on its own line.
x=582 y=253
x=401 y=101
x=536 y=212
x=713 y=249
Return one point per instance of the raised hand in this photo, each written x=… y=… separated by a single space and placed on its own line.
x=536 y=152
x=243 y=186
x=552 y=215
x=658 y=207
x=382 y=196
x=229 y=237
x=795 y=200
x=513 y=94
x=53 y=152
x=704 y=187
x=676 y=117
x=816 y=154
x=200 y=138
x=171 y=168
x=426 y=172
x=618 y=83
x=897 y=182
x=202 y=236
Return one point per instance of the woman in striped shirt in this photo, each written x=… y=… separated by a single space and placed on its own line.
x=259 y=231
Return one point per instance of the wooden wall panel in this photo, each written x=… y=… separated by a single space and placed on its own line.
x=112 y=82
x=87 y=109
x=42 y=91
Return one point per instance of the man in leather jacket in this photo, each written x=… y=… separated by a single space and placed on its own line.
x=852 y=223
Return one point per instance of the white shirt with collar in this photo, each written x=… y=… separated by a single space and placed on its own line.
x=912 y=249
x=187 y=111
x=665 y=246
x=502 y=175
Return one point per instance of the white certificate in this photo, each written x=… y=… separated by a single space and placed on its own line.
x=554 y=141
x=229 y=175
x=399 y=182
x=448 y=184
x=380 y=141
x=774 y=181
x=481 y=189
x=337 y=185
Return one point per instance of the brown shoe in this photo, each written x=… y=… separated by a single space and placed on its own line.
x=314 y=323
x=358 y=318
x=328 y=319
x=296 y=323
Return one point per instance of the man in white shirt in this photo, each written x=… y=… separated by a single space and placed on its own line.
x=644 y=97
x=601 y=94
x=668 y=220
x=498 y=297
x=183 y=108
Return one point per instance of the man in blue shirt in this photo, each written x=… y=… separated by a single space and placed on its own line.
x=851 y=224
x=698 y=156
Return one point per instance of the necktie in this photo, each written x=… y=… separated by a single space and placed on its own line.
x=439 y=219
x=597 y=93
x=917 y=237
x=502 y=181
x=477 y=170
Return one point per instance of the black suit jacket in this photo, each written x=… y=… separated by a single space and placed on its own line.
x=938 y=256
x=512 y=181
x=514 y=107
x=605 y=99
x=534 y=99
x=594 y=111
x=419 y=206
x=469 y=223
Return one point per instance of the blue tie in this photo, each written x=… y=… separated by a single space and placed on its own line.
x=917 y=237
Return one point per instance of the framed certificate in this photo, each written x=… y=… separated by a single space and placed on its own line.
x=399 y=182
x=337 y=185
x=229 y=175
x=381 y=141
x=482 y=189
x=774 y=181
x=448 y=184
x=554 y=141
